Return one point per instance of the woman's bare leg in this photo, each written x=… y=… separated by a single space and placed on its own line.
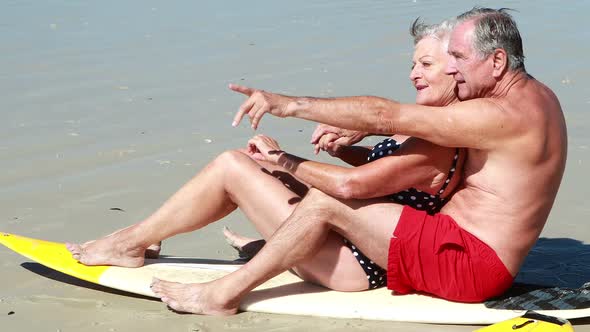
x=245 y=246
x=295 y=185
x=248 y=247
x=232 y=180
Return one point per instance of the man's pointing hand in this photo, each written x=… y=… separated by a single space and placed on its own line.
x=258 y=103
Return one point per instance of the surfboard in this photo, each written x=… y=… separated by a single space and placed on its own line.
x=288 y=294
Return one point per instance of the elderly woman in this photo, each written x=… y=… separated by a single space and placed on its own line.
x=434 y=88
x=417 y=172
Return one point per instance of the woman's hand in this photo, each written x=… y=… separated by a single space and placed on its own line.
x=264 y=148
x=331 y=139
x=327 y=143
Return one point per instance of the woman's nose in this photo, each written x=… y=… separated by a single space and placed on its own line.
x=415 y=73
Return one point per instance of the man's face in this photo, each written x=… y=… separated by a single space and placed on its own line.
x=472 y=73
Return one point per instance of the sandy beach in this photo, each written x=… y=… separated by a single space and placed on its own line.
x=107 y=108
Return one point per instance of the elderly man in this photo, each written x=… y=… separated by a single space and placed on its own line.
x=515 y=134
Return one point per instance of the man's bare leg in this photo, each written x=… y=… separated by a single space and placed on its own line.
x=369 y=224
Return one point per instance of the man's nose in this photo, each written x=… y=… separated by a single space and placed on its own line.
x=451 y=67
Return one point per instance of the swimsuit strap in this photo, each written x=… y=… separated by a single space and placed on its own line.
x=451 y=173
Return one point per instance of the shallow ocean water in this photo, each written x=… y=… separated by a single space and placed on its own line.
x=116 y=104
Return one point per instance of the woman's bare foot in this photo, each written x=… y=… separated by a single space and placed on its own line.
x=247 y=247
x=193 y=298
x=115 y=249
x=153 y=251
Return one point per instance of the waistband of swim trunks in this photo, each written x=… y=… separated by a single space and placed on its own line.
x=408 y=218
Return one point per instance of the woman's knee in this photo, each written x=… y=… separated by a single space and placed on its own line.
x=231 y=156
x=231 y=161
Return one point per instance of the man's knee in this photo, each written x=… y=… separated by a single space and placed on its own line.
x=319 y=198
x=321 y=205
x=339 y=213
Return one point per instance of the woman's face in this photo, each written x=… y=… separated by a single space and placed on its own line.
x=433 y=86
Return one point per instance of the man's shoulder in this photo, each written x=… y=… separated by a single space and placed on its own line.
x=481 y=104
x=531 y=90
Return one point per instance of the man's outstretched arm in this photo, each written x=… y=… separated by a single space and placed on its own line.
x=479 y=123
x=332 y=111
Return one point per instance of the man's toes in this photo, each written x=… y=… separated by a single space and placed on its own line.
x=174 y=305
x=159 y=284
x=162 y=286
x=156 y=288
x=167 y=285
x=157 y=292
x=170 y=302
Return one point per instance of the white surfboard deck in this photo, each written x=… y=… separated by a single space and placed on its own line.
x=284 y=294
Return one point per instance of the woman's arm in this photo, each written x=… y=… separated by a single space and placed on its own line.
x=352 y=155
x=339 y=143
x=417 y=163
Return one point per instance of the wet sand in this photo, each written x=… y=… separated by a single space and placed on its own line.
x=107 y=109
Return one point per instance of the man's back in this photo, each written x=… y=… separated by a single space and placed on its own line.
x=508 y=190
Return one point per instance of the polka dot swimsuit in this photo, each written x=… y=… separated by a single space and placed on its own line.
x=415 y=198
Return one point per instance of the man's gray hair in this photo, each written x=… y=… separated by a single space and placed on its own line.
x=441 y=31
x=495 y=28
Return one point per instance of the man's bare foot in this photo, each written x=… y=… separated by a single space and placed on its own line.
x=113 y=249
x=194 y=298
x=247 y=247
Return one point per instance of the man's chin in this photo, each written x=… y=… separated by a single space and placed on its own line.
x=463 y=94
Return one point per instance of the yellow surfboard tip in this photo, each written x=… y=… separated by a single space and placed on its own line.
x=531 y=322
x=53 y=255
x=4 y=237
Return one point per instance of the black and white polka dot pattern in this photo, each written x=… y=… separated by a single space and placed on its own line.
x=385 y=148
x=412 y=197
x=376 y=276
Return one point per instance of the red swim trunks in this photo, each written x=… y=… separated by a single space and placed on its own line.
x=432 y=254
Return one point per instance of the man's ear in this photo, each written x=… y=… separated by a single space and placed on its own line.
x=500 y=62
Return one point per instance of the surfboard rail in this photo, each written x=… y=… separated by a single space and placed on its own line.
x=284 y=294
